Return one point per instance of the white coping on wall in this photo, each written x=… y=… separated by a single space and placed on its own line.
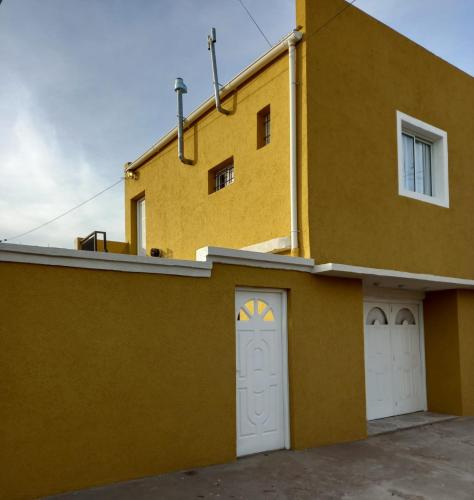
x=270 y=246
x=393 y=279
x=254 y=259
x=102 y=260
x=205 y=258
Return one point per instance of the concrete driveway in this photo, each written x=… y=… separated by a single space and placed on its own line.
x=431 y=462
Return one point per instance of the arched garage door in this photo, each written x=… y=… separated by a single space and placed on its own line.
x=394 y=377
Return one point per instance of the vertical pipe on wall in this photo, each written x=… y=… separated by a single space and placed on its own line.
x=211 y=41
x=180 y=89
x=292 y=41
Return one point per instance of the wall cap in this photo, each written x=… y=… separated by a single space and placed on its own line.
x=254 y=259
x=207 y=256
x=64 y=257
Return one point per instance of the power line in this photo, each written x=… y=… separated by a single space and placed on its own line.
x=64 y=213
x=255 y=22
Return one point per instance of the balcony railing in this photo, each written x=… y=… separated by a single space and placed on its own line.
x=93 y=243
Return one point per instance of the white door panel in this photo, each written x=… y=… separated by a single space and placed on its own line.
x=379 y=397
x=407 y=359
x=260 y=383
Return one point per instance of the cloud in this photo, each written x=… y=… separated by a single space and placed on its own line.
x=40 y=179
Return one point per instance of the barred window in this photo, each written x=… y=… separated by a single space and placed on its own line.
x=221 y=175
x=224 y=177
x=266 y=128
x=263 y=127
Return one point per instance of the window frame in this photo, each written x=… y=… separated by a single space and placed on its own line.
x=264 y=127
x=438 y=139
x=417 y=139
x=213 y=174
x=228 y=174
x=140 y=208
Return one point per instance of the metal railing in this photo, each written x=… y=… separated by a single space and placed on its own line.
x=90 y=242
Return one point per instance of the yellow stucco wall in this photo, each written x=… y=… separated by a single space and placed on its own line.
x=109 y=376
x=443 y=374
x=449 y=341
x=181 y=214
x=466 y=350
x=359 y=73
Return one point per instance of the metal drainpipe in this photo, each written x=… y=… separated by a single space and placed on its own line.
x=211 y=41
x=293 y=143
x=180 y=89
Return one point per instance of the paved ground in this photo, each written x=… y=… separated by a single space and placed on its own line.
x=432 y=462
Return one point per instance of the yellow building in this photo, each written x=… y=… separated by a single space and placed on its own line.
x=347 y=144
x=304 y=265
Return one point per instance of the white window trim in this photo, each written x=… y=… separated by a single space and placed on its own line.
x=439 y=174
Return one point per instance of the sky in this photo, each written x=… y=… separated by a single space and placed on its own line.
x=87 y=86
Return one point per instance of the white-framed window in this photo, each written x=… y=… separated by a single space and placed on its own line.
x=422 y=161
x=141 y=227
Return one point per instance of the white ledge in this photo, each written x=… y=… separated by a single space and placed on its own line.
x=254 y=259
x=389 y=278
x=274 y=245
x=102 y=260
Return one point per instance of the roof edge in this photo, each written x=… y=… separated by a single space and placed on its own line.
x=240 y=78
x=393 y=278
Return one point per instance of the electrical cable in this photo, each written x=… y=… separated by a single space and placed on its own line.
x=255 y=22
x=64 y=213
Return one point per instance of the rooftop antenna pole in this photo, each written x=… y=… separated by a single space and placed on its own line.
x=211 y=42
x=180 y=89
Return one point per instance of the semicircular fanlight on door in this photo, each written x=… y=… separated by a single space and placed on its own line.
x=405 y=317
x=255 y=309
x=376 y=317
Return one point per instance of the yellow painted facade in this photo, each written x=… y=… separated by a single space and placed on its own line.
x=443 y=367
x=136 y=376
x=449 y=340
x=359 y=73
x=181 y=214
x=353 y=76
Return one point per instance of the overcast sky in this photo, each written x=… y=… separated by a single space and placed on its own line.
x=88 y=85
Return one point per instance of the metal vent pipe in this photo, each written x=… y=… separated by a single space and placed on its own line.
x=180 y=89
x=211 y=41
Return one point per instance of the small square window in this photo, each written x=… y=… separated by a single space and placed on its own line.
x=422 y=161
x=263 y=127
x=221 y=176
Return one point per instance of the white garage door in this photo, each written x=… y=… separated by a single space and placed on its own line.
x=261 y=372
x=393 y=360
